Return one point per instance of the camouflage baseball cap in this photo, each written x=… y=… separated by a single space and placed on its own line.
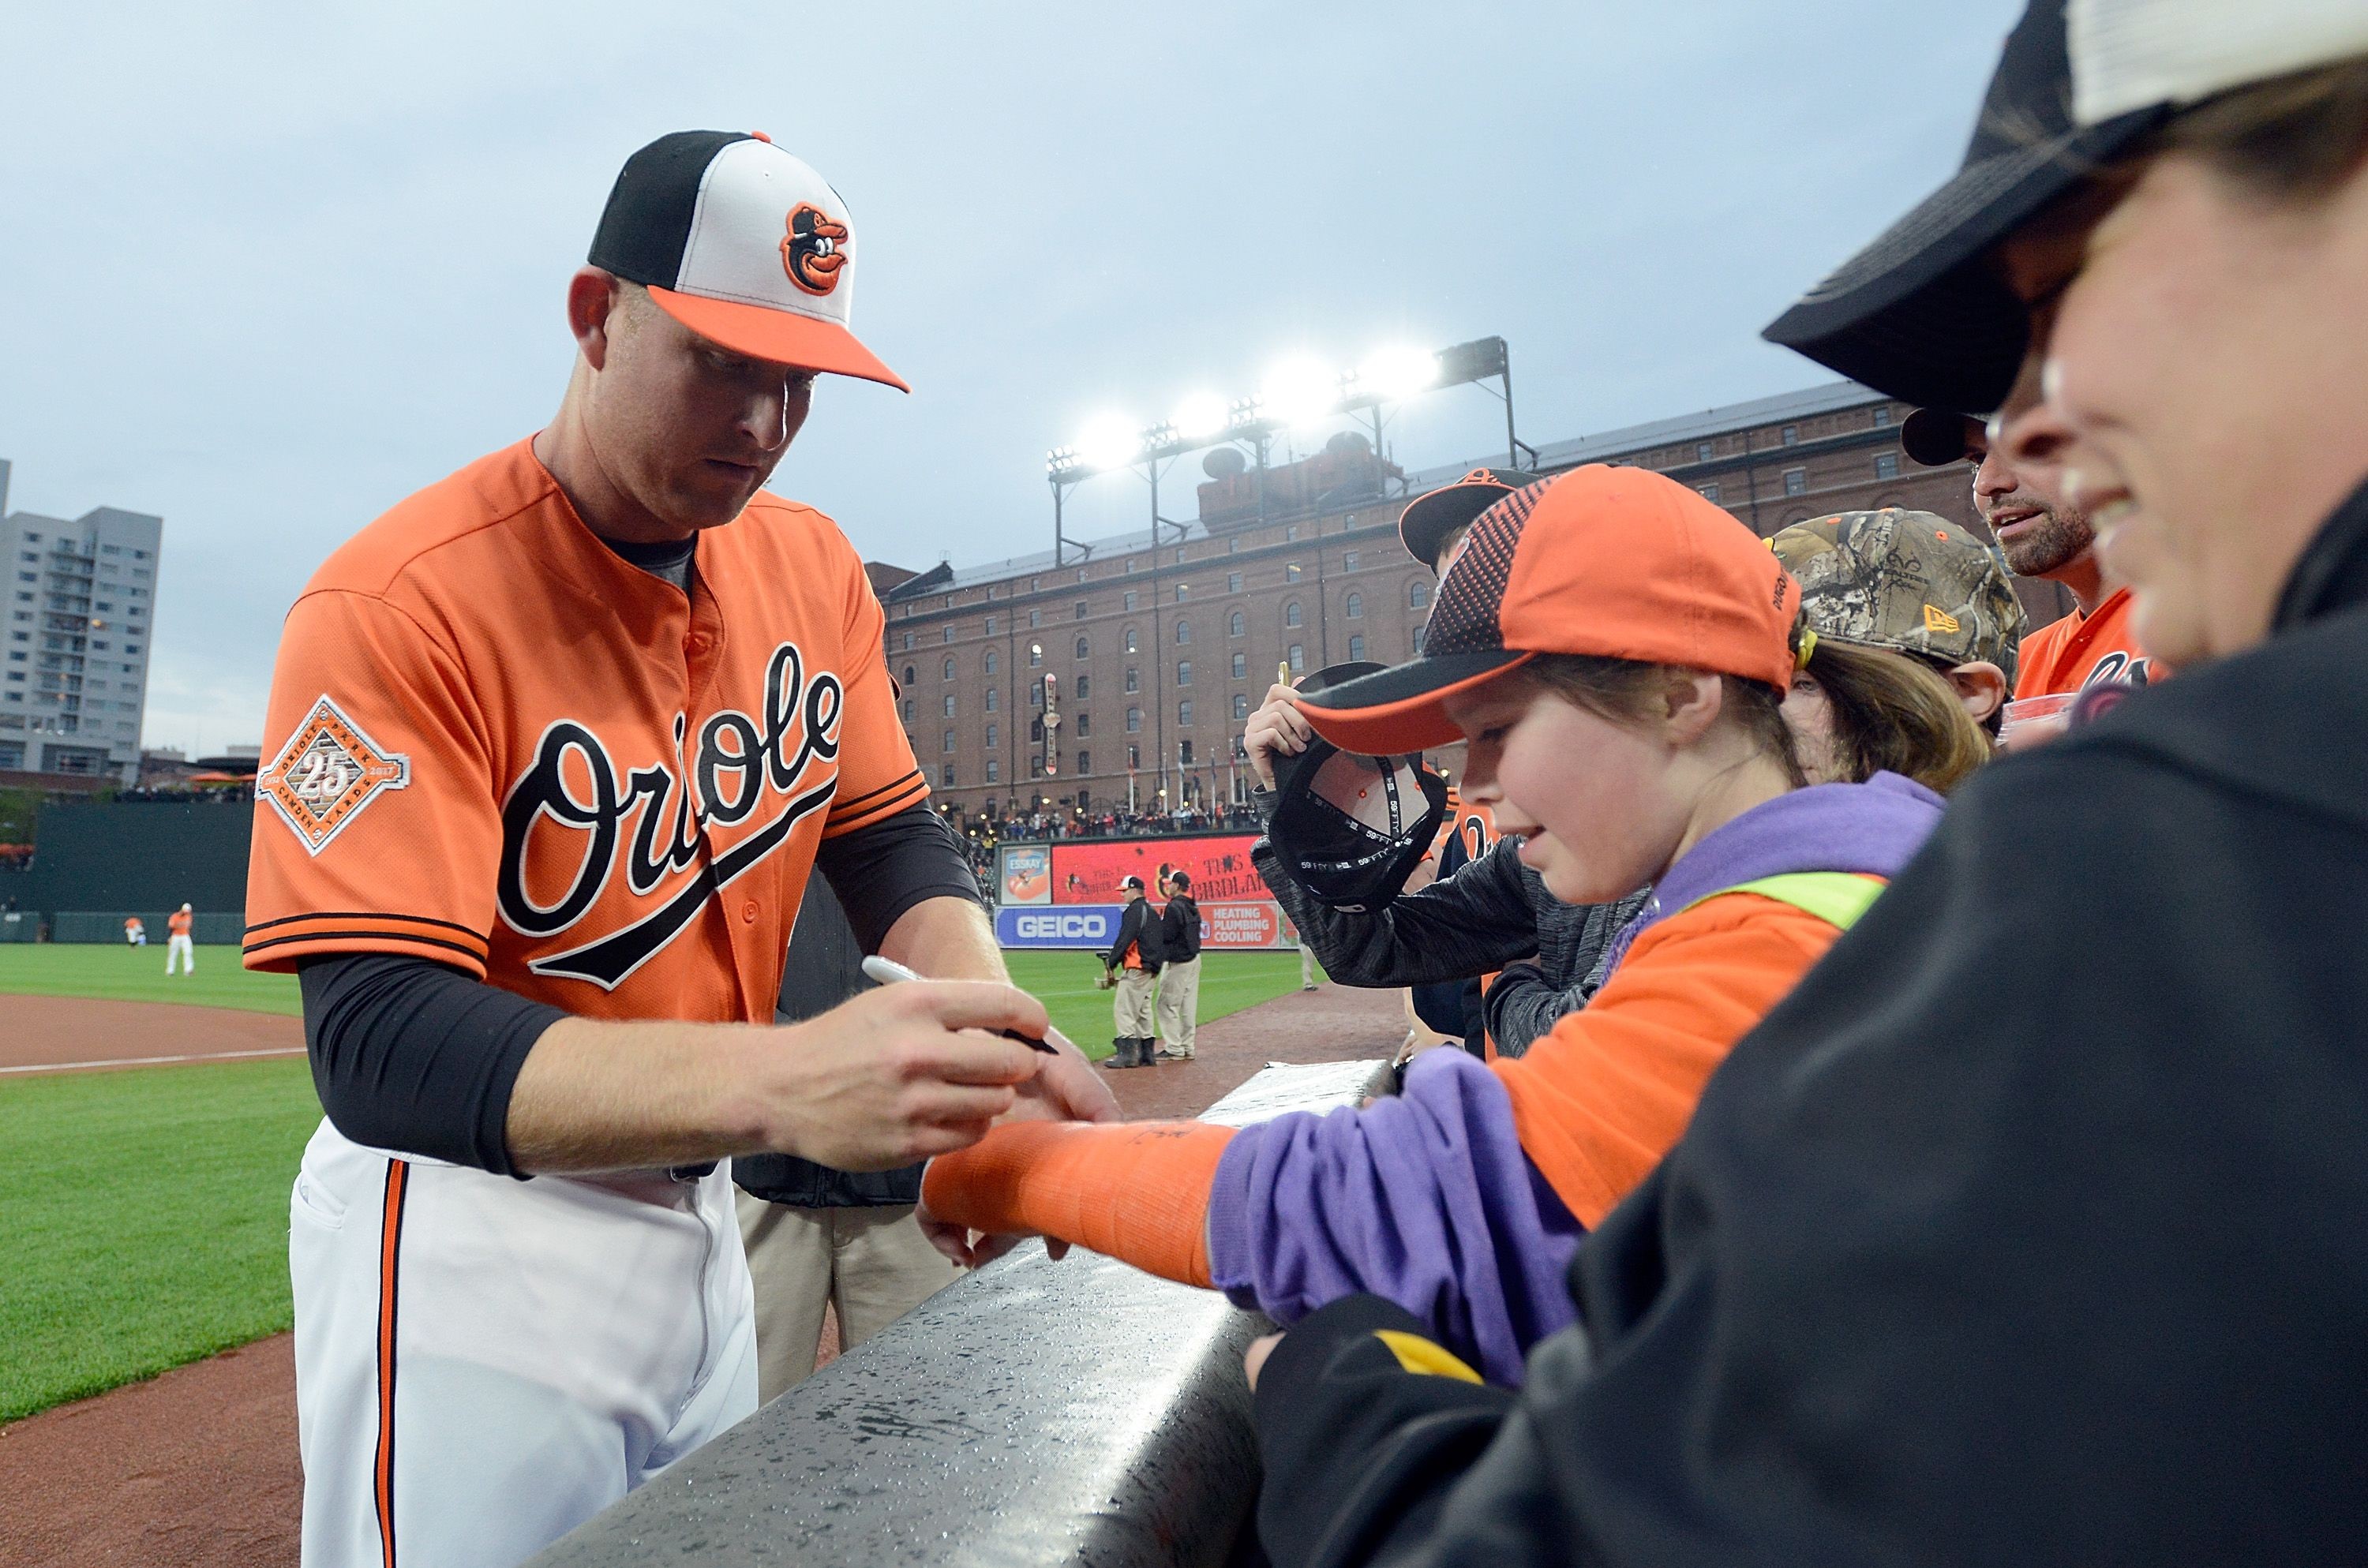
x=1910 y=582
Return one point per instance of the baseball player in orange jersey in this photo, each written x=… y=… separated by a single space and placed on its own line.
x=180 y=946
x=554 y=746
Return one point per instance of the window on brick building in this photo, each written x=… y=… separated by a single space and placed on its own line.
x=1084 y=724
x=1081 y=610
x=1082 y=649
x=1183 y=672
x=1184 y=716
x=1233 y=581
x=1702 y=451
x=1290 y=614
x=1130 y=600
x=1298 y=658
x=1355 y=607
x=1241 y=705
x=1886 y=465
x=1237 y=624
x=1417 y=594
x=995 y=770
x=1709 y=492
x=1084 y=765
x=991 y=661
x=1357 y=647
x=1241 y=666
x=1796 y=482
x=1129 y=639
x=1791 y=437
x=949 y=671
x=1183 y=632
x=1085 y=688
x=990 y=699
x=949 y=742
x=1134 y=721
x=1133 y=681
x=949 y=705
x=1183 y=591
x=994 y=736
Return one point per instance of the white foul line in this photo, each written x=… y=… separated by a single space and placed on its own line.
x=156 y=1061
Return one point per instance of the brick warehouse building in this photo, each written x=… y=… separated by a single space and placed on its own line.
x=1159 y=652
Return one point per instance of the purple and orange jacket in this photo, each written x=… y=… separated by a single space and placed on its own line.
x=1463 y=1198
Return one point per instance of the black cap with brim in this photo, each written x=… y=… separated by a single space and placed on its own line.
x=1350 y=826
x=1429 y=517
x=1939 y=436
x=1922 y=313
x=1403 y=708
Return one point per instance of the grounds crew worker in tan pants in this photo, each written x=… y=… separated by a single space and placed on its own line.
x=1133 y=964
x=1179 y=968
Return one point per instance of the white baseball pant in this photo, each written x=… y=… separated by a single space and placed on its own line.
x=483 y=1363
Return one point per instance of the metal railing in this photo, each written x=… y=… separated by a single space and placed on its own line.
x=1033 y=1412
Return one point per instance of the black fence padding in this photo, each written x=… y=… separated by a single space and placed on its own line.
x=137 y=856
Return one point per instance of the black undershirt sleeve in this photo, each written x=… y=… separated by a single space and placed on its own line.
x=411 y=1055
x=881 y=870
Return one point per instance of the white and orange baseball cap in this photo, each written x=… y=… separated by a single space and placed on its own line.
x=743 y=243
x=1618 y=562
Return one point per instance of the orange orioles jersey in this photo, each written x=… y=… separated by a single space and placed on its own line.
x=494 y=743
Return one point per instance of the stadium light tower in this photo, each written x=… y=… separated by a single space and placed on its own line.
x=1296 y=392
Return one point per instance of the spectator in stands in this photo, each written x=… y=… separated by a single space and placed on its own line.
x=1983 y=1249
x=1629 y=744
x=1179 y=967
x=1914 y=621
x=1131 y=968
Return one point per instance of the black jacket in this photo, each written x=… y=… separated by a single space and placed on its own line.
x=1179 y=930
x=1488 y=915
x=1138 y=929
x=2028 y=1230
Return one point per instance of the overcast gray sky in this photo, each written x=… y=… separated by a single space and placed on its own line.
x=265 y=268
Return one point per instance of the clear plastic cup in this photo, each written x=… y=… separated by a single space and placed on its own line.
x=2035 y=720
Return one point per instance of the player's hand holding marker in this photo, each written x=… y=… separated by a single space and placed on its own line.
x=1065 y=1088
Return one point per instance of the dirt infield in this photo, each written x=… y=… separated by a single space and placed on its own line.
x=65 y=1034
x=198 y=1468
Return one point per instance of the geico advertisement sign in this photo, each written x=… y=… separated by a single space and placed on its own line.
x=1057 y=927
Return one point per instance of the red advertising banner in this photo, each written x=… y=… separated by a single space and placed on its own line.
x=1241 y=925
x=1088 y=870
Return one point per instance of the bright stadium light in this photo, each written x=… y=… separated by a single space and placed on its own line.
x=1202 y=415
x=1299 y=391
x=1397 y=372
x=1109 y=440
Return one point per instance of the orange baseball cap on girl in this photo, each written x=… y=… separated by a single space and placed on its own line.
x=1616 y=562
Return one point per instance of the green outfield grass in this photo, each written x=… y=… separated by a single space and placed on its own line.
x=1229 y=981
x=1064 y=983
x=137 y=974
x=147 y=1210
x=147 y=1221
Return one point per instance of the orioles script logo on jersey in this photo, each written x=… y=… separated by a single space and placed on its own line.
x=810 y=254
x=736 y=766
x=326 y=773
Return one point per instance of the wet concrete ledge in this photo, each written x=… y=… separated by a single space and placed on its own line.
x=1034 y=1412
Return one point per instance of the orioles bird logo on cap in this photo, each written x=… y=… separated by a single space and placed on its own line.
x=810 y=254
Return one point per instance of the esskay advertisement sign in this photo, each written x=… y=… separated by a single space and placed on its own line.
x=1088 y=870
x=1026 y=874
x=1094 y=926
